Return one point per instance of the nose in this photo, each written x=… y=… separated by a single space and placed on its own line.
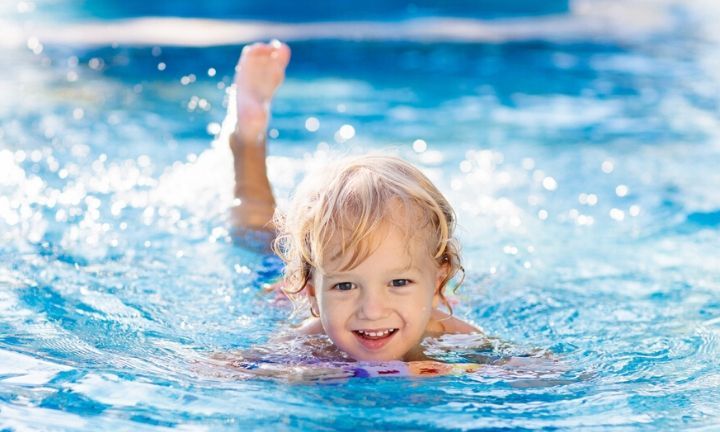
x=373 y=304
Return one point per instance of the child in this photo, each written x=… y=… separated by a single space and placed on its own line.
x=368 y=242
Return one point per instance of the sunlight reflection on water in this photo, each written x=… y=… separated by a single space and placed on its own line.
x=584 y=176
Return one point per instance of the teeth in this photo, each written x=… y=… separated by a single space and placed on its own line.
x=376 y=334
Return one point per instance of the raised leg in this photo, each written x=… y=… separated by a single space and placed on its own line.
x=259 y=72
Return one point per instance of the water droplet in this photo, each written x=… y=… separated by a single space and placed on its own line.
x=584 y=220
x=345 y=133
x=622 y=191
x=549 y=183
x=617 y=214
x=34 y=45
x=96 y=63
x=312 y=124
x=587 y=199
x=419 y=145
x=214 y=128
x=607 y=166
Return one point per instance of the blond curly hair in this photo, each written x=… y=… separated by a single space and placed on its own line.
x=347 y=202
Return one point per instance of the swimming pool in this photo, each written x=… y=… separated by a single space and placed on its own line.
x=582 y=158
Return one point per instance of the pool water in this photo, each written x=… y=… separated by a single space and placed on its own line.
x=583 y=164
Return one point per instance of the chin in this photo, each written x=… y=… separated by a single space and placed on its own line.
x=391 y=353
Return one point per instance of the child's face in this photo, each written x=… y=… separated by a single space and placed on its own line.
x=380 y=309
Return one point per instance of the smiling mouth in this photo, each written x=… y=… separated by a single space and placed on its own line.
x=375 y=339
x=374 y=334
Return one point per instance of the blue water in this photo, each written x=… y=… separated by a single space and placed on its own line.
x=319 y=10
x=583 y=167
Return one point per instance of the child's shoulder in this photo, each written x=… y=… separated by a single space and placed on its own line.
x=311 y=326
x=443 y=323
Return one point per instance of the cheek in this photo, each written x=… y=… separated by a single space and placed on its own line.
x=331 y=311
x=420 y=307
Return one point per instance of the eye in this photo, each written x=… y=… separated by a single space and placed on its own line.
x=396 y=283
x=343 y=286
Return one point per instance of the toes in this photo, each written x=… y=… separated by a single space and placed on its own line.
x=256 y=50
x=275 y=50
x=266 y=59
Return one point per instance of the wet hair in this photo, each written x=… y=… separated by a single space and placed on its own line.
x=339 y=209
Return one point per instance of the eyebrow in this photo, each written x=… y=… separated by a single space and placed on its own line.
x=395 y=270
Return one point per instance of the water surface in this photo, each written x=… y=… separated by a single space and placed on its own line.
x=583 y=170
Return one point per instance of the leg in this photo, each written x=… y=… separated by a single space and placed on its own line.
x=259 y=72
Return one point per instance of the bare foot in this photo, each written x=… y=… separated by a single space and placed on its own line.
x=259 y=72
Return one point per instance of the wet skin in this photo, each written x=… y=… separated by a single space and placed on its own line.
x=383 y=308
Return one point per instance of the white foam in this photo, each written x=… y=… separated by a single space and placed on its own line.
x=21 y=369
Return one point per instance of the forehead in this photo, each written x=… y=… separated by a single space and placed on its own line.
x=400 y=246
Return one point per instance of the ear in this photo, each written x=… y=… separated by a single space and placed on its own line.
x=312 y=297
x=442 y=273
x=310 y=287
